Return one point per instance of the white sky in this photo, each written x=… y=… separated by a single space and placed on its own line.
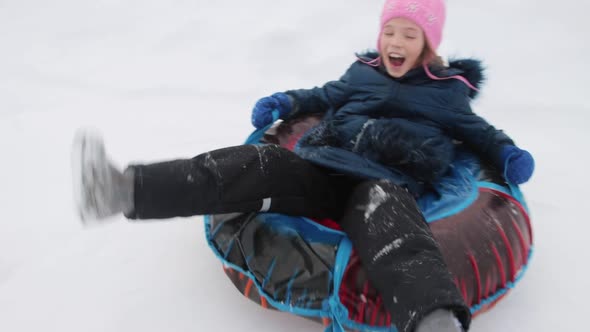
x=166 y=79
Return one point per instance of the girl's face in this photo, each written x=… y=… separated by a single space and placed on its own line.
x=401 y=46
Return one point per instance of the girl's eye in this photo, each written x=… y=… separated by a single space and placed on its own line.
x=410 y=37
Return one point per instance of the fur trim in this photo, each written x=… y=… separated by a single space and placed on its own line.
x=473 y=71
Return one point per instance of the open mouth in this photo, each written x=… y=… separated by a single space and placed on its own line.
x=396 y=61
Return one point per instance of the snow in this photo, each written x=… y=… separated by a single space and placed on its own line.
x=388 y=248
x=376 y=197
x=168 y=79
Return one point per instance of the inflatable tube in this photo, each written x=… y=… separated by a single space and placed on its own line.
x=308 y=267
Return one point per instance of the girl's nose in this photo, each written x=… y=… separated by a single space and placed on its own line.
x=395 y=46
x=397 y=40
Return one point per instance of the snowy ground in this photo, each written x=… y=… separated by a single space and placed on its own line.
x=165 y=79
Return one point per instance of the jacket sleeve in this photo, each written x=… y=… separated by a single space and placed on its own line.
x=477 y=133
x=319 y=100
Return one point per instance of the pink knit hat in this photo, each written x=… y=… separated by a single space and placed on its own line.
x=428 y=14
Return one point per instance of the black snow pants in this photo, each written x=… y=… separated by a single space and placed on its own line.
x=389 y=233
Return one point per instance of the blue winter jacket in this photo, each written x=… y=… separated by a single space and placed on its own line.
x=403 y=129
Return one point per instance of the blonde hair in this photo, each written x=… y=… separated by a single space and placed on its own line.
x=430 y=58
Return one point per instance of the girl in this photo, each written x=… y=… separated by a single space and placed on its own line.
x=389 y=108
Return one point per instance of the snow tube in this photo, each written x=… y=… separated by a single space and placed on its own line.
x=308 y=267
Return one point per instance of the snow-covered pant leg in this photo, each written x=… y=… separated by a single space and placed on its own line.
x=400 y=254
x=246 y=178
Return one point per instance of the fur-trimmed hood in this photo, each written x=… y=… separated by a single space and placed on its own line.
x=472 y=70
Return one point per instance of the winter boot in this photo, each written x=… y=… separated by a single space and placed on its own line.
x=100 y=189
x=440 y=320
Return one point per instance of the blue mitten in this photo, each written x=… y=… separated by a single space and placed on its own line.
x=518 y=164
x=262 y=112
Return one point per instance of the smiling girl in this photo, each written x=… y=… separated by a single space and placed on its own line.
x=399 y=107
x=402 y=44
